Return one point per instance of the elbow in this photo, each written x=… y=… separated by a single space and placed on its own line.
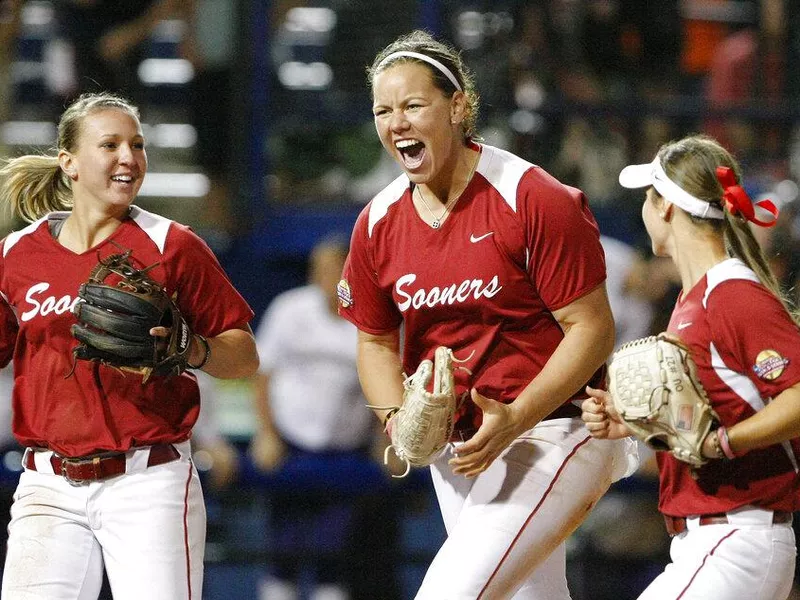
x=245 y=368
x=603 y=342
x=610 y=339
x=249 y=364
x=252 y=365
x=240 y=361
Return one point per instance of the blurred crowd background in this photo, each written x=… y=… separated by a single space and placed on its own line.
x=259 y=129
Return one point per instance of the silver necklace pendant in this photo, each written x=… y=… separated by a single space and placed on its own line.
x=436 y=224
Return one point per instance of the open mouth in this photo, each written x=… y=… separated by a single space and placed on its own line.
x=412 y=153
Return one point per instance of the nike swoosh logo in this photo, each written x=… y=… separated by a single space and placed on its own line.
x=684 y=325
x=474 y=239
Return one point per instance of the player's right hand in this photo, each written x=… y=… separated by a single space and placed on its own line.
x=600 y=417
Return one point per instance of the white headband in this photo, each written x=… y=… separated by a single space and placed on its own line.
x=431 y=61
x=639 y=176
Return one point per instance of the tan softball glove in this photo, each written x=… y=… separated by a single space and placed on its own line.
x=653 y=383
x=421 y=428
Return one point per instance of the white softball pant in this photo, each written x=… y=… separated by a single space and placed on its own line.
x=147 y=527
x=507 y=526
x=748 y=557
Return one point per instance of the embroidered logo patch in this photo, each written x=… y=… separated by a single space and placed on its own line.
x=344 y=294
x=769 y=364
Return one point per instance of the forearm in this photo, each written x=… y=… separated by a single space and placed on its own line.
x=232 y=354
x=380 y=371
x=588 y=327
x=583 y=350
x=777 y=422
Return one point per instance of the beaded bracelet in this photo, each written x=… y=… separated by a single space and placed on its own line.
x=725 y=444
x=207 y=354
x=717 y=447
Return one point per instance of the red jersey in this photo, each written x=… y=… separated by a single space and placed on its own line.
x=517 y=245
x=747 y=350
x=98 y=408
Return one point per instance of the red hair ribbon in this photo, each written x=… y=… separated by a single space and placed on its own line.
x=737 y=201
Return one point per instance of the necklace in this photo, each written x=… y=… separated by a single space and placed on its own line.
x=437 y=221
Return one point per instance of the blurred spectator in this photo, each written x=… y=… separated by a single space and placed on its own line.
x=651 y=45
x=592 y=154
x=633 y=311
x=211 y=46
x=748 y=68
x=215 y=456
x=311 y=411
x=7 y=444
x=704 y=25
x=10 y=11
x=105 y=42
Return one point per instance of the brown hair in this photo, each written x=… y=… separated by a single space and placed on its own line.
x=692 y=163
x=34 y=185
x=424 y=43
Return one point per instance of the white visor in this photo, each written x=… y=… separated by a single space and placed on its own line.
x=641 y=176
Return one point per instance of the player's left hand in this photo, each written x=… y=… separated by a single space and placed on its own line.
x=501 y=425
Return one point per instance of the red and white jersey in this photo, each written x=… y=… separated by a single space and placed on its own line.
x=747 y=350
x=98 y=408
x=517 y=245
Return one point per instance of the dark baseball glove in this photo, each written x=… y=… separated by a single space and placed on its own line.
x=119 y=305
x=653 y=383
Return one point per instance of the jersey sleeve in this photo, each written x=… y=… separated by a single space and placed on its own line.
x=755 y=335
x=362 y=300
x=9 y=326
x=205 y=294
x=566 y=257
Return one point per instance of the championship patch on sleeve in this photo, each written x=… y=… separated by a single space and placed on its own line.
x=769 y=365
x=344 y=293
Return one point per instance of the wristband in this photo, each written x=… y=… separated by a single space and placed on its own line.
x=717 y=447
x=724 y=443
x=388 y=416
x=207 y=354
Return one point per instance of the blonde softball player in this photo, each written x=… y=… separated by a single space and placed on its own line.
x=108 y=481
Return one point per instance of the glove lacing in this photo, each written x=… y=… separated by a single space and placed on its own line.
x=408 y=383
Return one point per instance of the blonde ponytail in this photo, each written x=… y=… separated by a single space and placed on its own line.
x=33 y=186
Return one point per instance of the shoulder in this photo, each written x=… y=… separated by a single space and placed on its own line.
x=731 y=279
x=504 y=171
x=739 y=302
x=156 y=227
x=16 y=237
x=516 y=179
x=166 y=234
x=378 y=207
